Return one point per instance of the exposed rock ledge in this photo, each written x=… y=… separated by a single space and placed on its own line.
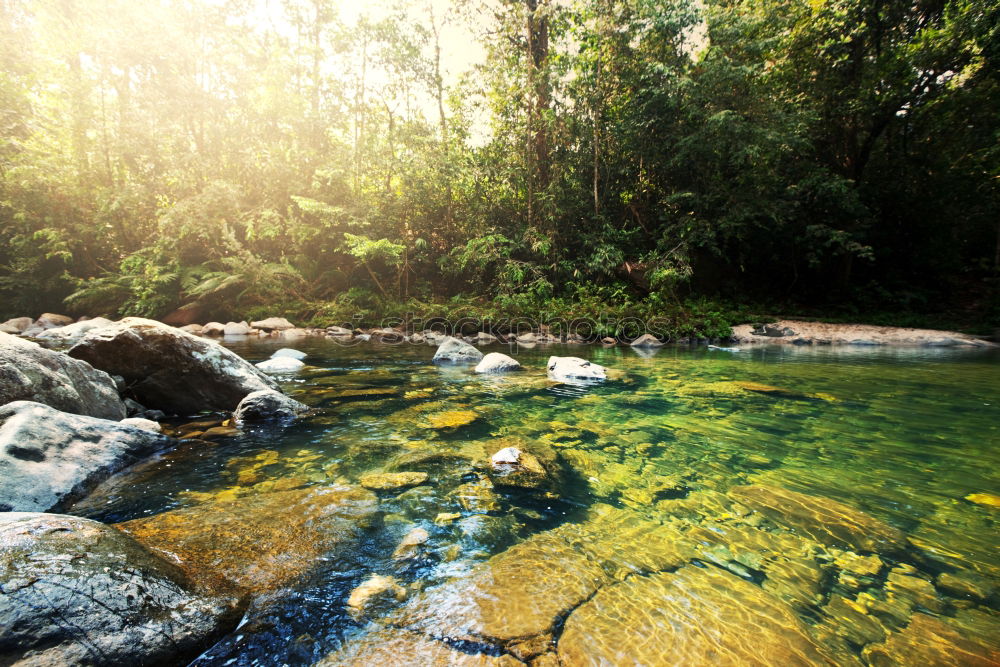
x=825 y=333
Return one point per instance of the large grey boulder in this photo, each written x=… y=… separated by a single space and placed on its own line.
x=50 y=458
x=236 y=329
x=495 y=362
x=169 y=369
x=29 y=372
x=574 y=368
x=75 y=331
x=77 y=592
x=266 y=405
x=289 y=352
x=16 y=325
x=454 y=350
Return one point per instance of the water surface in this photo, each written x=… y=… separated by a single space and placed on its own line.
x=903 y=435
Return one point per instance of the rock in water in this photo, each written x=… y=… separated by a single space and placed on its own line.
x=647 y=340
x=494 y=362
x=52 y=320
x=261 y=543
x=73 y=332
x=29 y=372
x=390 y=481
x=49 y=458
x=170 y=370
x=823 y=519
x=144 y=424
x=267 y=404
x=574 y=368
x=236 y=329
x=290 y=353
x=77 y=592
x=695 y=616
x=281 y=365
x=374 y=593
x=16 y=325
x=457 y=351
x=213 y=329
x=273 y=324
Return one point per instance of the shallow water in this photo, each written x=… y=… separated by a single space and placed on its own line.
x=903 y=435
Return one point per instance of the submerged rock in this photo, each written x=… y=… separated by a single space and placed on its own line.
x=823 y=519
x=574 y=368
x=374 y=593
x=77 y=592
x=400 y=648
x=929 y=641
x=281 y=365
x=268 y=404
x=29 y=372
x=412 y=545
x=260 y=543
x=388 y=481
x=454 y=350
x=169 y=369
x=50 y=458
x=494 y=362
x=694 y=616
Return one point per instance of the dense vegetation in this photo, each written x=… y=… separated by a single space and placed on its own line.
x=648 y=156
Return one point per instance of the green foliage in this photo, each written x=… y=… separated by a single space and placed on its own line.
x=649 y=158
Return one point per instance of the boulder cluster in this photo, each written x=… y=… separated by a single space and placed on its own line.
x=76 y=591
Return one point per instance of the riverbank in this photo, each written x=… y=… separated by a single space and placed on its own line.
x=798 y=332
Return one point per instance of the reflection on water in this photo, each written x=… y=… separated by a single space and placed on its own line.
x=778 y=504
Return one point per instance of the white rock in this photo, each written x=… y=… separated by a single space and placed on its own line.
x=213 y=329
x=495 y=362
x=506 y=456
x=455 y=350
x=236 y=329
x=647 y=340
x=574 y=368
x=75 y=331
x=144 y=424
x=281 y=365
x=289 y=352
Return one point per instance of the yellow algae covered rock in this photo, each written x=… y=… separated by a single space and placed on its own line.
x=988 y=499
x=517 y=594
x=259 y=543
x=928 y=641
x=401 y=648
x=374 y=593
x=448 y=419
x=823 y=519
x=694 y=616
x=387 y=481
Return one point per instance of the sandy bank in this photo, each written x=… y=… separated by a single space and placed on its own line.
x=824 y=333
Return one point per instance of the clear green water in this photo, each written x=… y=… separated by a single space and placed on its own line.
x=901 y=434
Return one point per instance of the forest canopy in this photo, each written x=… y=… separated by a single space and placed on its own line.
x=286 y=156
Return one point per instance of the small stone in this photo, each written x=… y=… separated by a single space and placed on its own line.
x=444 y=518
x=376 y=592
x=508 y=455
x=411 y=546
